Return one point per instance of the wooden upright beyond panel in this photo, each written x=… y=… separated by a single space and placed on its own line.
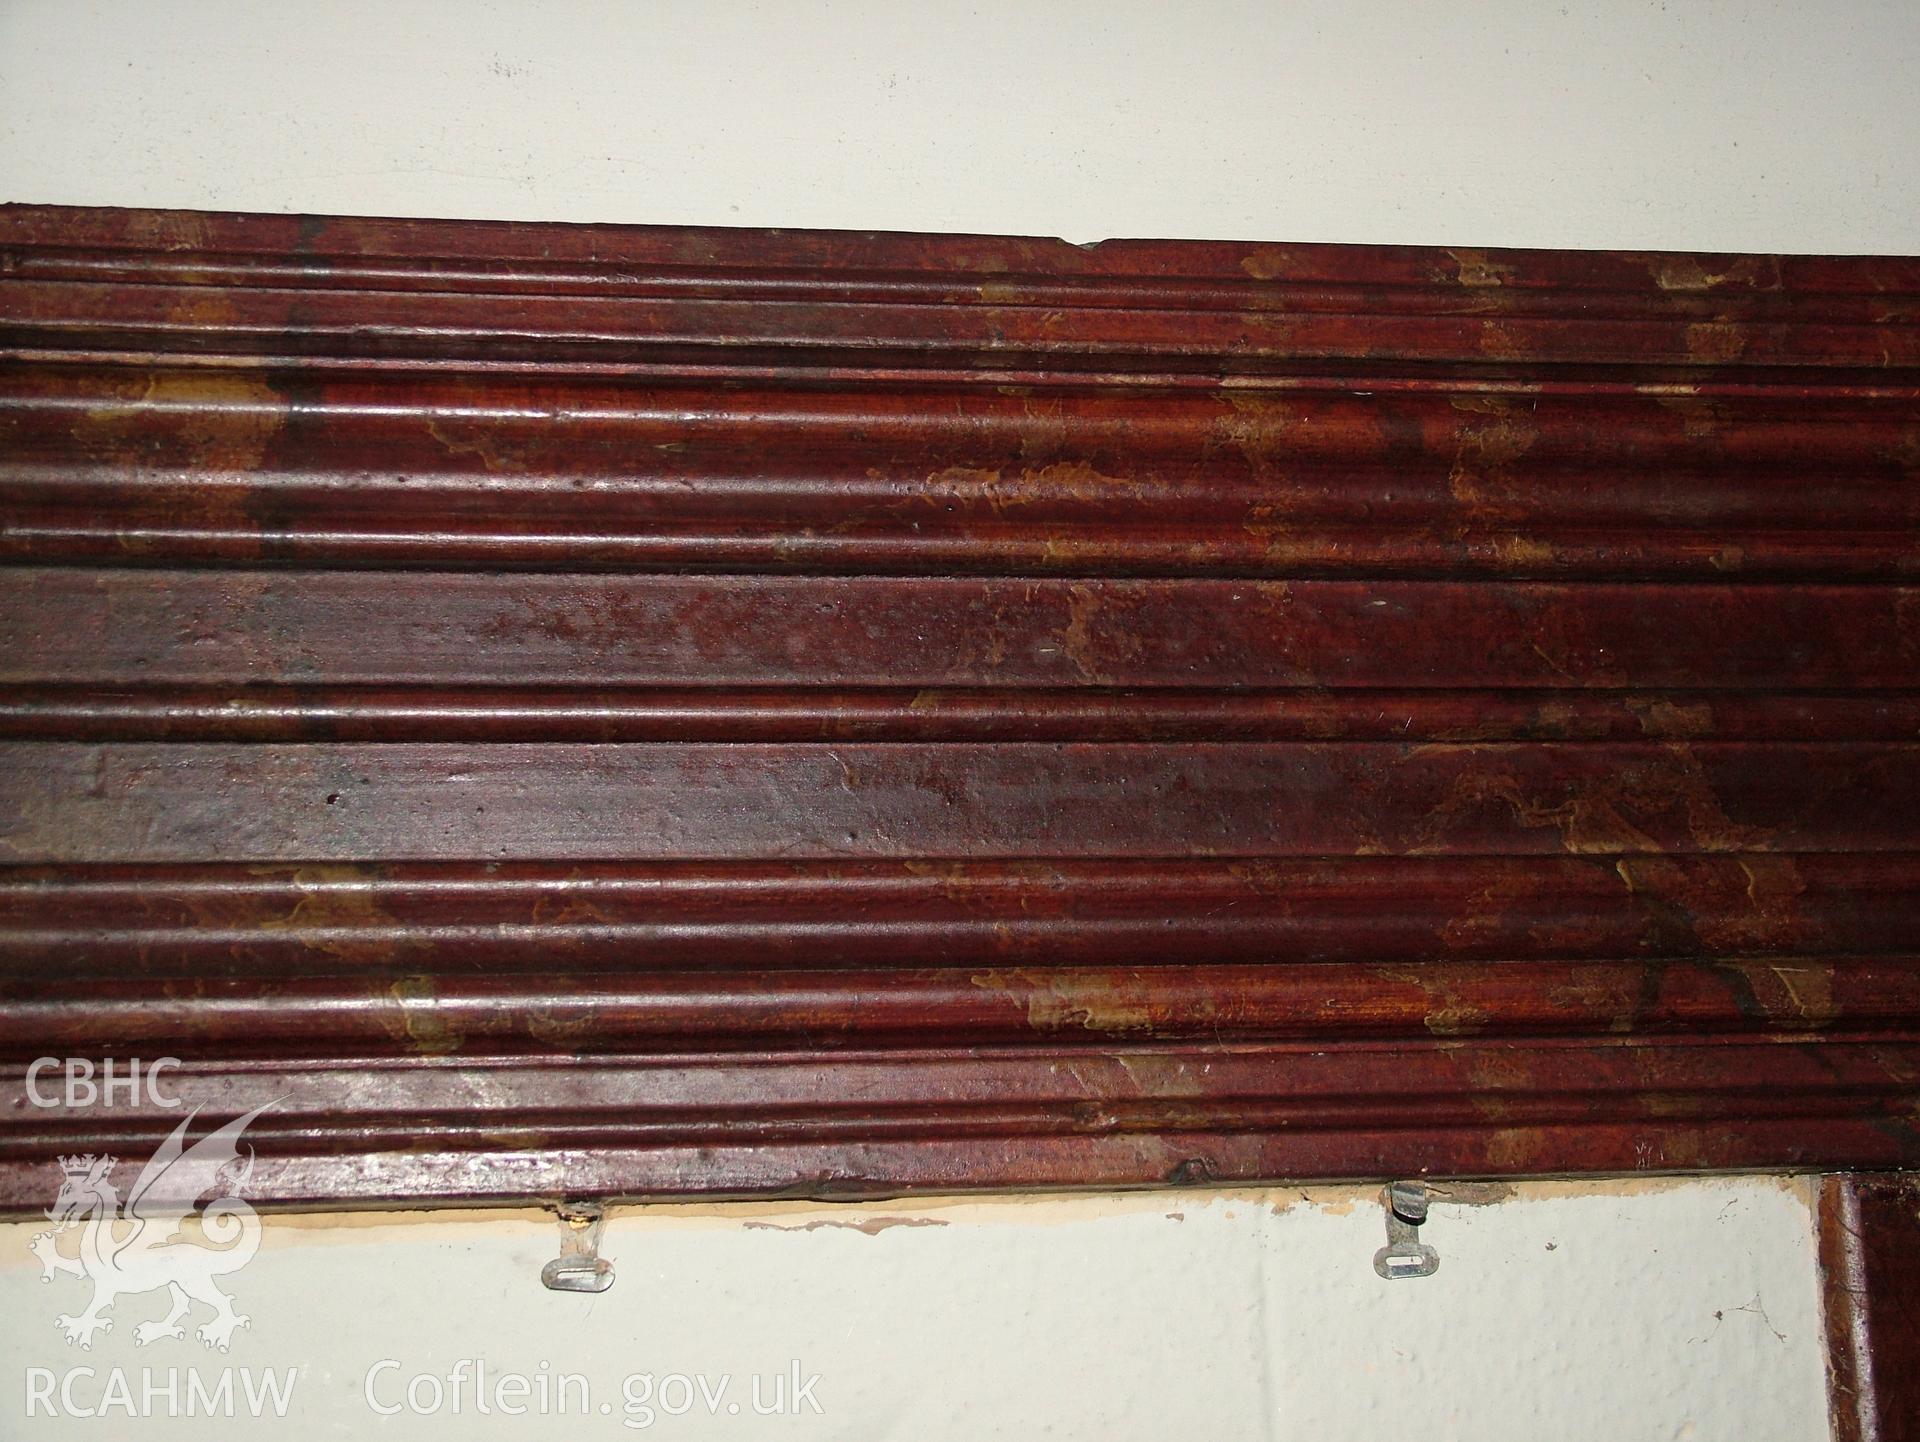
x=1869 y=1234
x=582 y=712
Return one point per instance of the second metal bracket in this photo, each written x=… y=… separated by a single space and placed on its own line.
x=579 y=1267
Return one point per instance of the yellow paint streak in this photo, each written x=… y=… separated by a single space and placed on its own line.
x=1712 y=342
x=1476 y=268
x=1484 y=450
x=1061 y=1000
x=1810 y=988
x=416 y=1019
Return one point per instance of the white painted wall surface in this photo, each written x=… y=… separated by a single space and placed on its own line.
x=1659 y=1311
x=1577 y=1312
x=1679 y=123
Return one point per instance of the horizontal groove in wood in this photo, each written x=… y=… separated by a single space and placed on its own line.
x=1338 y=453
x=970 y=452
x=1782 y=288
x=316 y=245
x=70 y=802
x=82 y=535
x=104 y=625
x=226 y=468
x=385 y=1011
x=530 y=1164
x=904 y=1081
x=72 y=926
x=798 y=713
x=1327 y=1127
x=1477 y=327
x=1024 y=377
x=1181 y=1113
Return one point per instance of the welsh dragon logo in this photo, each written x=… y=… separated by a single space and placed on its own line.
x=141 y=1247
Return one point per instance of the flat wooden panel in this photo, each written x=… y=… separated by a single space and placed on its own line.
x=436 y=629
x=62 y=802
x=599 y=711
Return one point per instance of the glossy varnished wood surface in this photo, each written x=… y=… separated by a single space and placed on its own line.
x=599 y=712
x=1869 y=1234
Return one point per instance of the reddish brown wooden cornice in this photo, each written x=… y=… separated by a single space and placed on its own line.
x=593 y=711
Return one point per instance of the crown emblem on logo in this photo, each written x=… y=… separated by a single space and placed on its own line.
x=185 y=1262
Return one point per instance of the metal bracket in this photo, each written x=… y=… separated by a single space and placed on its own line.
x=1405 y=1255
x=579 y=1267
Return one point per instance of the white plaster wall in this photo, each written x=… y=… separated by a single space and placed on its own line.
x=1662 y=1311
x=1586 y=1312
x=1682 y=123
